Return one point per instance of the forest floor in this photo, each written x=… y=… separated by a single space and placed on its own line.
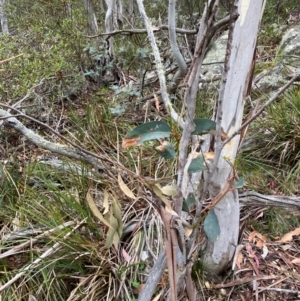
x=267 y=262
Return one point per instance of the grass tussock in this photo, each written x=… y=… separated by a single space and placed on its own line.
x=275 y=148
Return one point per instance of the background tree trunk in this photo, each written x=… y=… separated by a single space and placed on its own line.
x=3 y=17
x=93 y=27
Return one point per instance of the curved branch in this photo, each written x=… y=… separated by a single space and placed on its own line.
x=271 y=100
x=159 y=67
x=174 y=46
x=77 y=154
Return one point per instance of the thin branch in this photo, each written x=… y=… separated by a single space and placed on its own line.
x=275 y=289
x=270 y=101
x=78 y=153
x=141 y=31
x=217 y=26
x=190 y=100
x=11 y=58
x=253 y=198
x=182 y=66
x=243 y=281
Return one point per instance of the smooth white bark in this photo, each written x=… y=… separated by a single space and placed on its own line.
x=242 y=50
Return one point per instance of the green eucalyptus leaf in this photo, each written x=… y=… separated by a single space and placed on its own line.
x=185 y=206
x=211 y=226
x=166 y=150
x=147 y=131
x=241 y=182
x=197 y=165
x=204 y=126
x=189 y=202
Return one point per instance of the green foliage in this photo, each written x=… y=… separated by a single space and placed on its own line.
x=197 y=165
x=47 y=199
x=125 y=91
x=45 y=48
x=166 y=150
x=211 y=226
x=189 y=202
x=158 y=129
x=276 y=150
x=147 y=131
x=204 y=126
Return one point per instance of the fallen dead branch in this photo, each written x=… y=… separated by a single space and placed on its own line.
x=252 y=198
x=77 y=154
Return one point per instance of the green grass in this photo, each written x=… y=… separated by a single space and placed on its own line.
x=276 y=222
x=276 y=150
x=46 y=206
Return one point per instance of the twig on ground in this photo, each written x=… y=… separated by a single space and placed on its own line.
x=11 y=58
x=242 y=281
x=252 y=198
x=48 y=253
x=32 y=241
x=281 y=290
x=273 y=284
x=83 y=155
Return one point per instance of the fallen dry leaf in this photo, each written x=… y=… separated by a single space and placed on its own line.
x=265 y=252
x=156 y=103
x=127 y=142
x=252 y=254
x=296 y=261
x=289 y=236
x=125 y=188
x=239 y=260
x=258 y=239
x=126 y=256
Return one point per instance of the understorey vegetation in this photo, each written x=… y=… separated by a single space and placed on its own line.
x=134 y=167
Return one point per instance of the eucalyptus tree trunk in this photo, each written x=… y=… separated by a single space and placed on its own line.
x=3 y=17
x=112 y=17
x=92 y=20
x=233 y=92
x=219 y=180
